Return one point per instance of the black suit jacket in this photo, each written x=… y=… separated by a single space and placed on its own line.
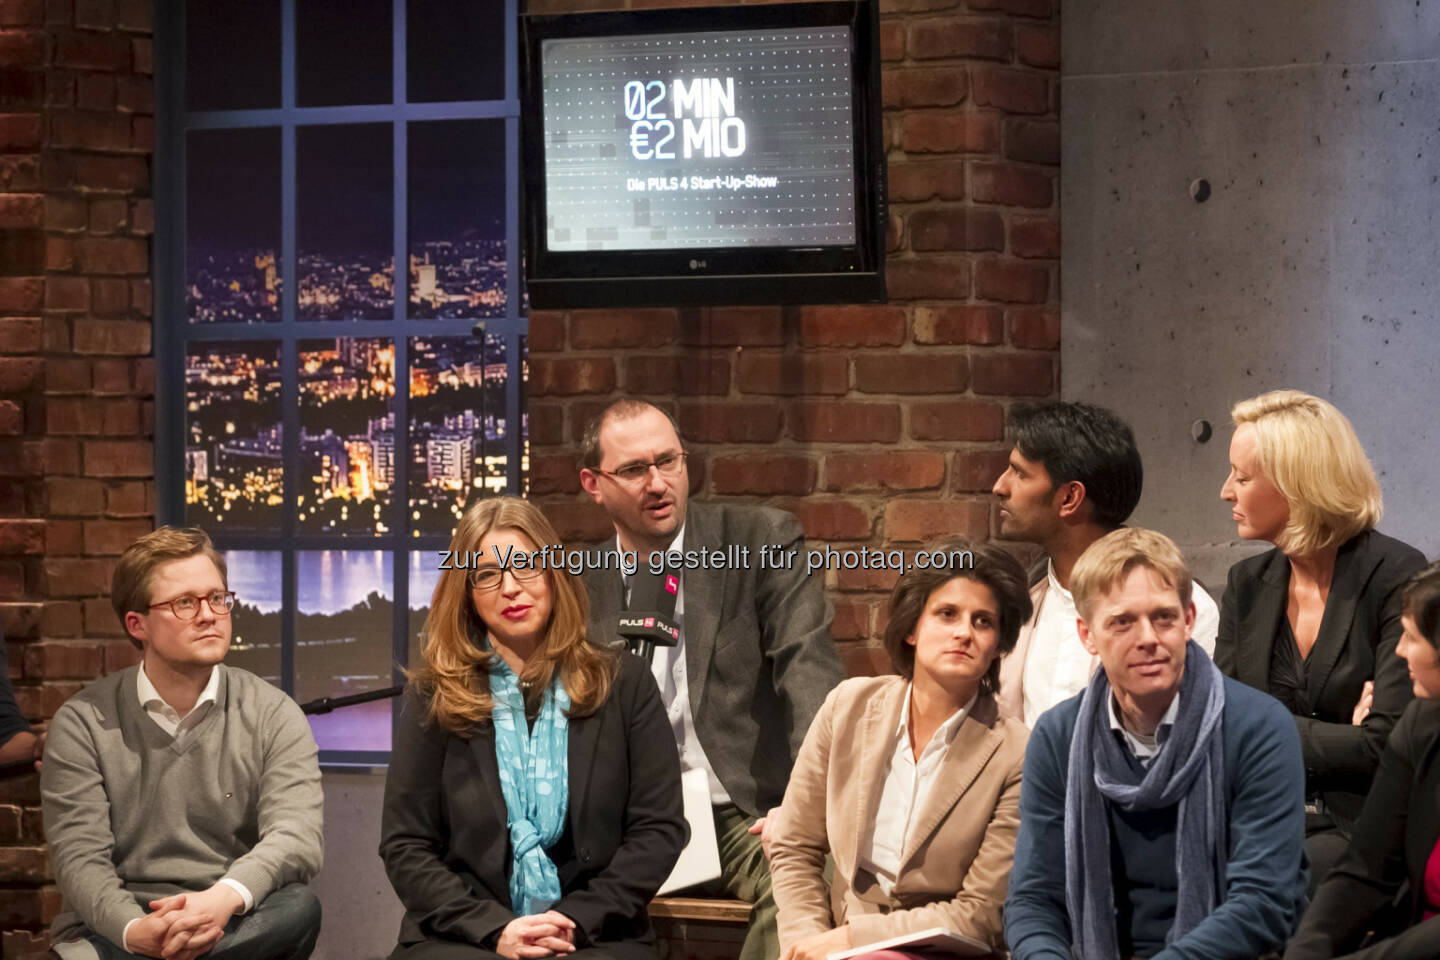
x=447 y=849
x=759 y=660
x=1392 y=842
x=1357 y=640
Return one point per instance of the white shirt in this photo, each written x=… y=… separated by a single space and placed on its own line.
x=1145 y=748
x=1058 y=666
x=176 y=726
x=668 y=666
x=907 y=784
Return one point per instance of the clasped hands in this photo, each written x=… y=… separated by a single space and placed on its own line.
x=185 y=925
x=537 y=935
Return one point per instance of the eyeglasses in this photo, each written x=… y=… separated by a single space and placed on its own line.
x=188 y=607
x=488 y=578
x=669 y=465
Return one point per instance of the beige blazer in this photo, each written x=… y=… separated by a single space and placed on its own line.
x=956 y=864
x=1011 y=698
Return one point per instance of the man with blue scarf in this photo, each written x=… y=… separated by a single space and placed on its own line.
x=1176 y=794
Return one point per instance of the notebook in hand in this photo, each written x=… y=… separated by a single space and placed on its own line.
x=936 y=941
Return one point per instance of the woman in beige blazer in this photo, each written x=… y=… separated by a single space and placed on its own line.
x=911 y=782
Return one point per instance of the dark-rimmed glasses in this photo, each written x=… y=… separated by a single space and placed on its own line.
x=488 y=578
x=188 y=607
x=669 y=465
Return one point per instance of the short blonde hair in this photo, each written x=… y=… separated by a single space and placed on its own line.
x=130 y=586
x=1110 y=559
x=1310 y=452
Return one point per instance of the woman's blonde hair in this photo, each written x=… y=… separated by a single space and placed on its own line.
x=1310 y=452
x=456 y=658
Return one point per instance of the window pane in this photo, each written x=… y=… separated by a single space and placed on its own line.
x=255 y=576
x=457 y=427
x=457 y=193
x=454 y=50
x=347 y=434
x=232 y=55
x=342 y=642
x=344 y=52
x=424 y=575
x=232 y=213
x=233 y=463
x=345 y=212
x=524 y=412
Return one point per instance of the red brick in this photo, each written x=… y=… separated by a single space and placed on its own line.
x=67 y=376
x=88 y=51
x=926 y=520
x=578 y=522
x=1038 y=46
x=929 y=180
x=144 y=377
x=915 y=6
x=20 y=620
x=142 y=134
x=1012 y=185
x=22 y=13
x=117 y=255
x=1012 y=281
x=547 y=331
x=20 y=131
x=59 y=255
x=67 y=293
x=911 y=373
x=96 y=91
x=90 y=131
x=923 y=87
x=9 y=817
x=92 y=417
x=95 y=14
x=100 y=619
x=609 y=329
x=552 y=473
x=12 y=585
x=1035 y=238
x=763 y=476
x=892 y=40
x=852 y=326
x=61 y=660
x=55 y=455
x=120 y=654
x=957 y=419
x=959 y=324
x=112 y=337
x=732 y=327
x=956 y=228
x=951 y=131
x=135 y=95
x=12 y=419
x=970 y=39
x=851 y=620
x=20 y=536
x=547 y=424
x=1021 y=8
x=110 y=296
x=1022 y=375
x=930 y=278
x=1010 y=89
x=119 y=458
x=135 y=498
x=142 y=52
x=140 y=296
x=20 y=335
x=21 y=294
x=571 y=376
x=76 y=576
x=19 y=210
x=111 y=537
x=66 y=212
x=96 y=172
x=61 y=618
x=866 y=661
x=142 y=217
x=29 y=865
x=728 y=422
x=793 y=374
x=875 y=579
x=20 y=374
x=135 y=15
x=22 y=48
x=60 y=89
x=891 y=470
x=823 y=519
x=682 y=375
x=827 y=421
x=977 y=470
x=107 y=214
x=64 y=538
x=1034 y=328
x=20 y=172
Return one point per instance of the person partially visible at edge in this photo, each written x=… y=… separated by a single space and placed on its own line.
x=1315 y=621
x=1074 y=475
x=911 y=782
x=20 y=748
x=755 y=657
x=1397 y=837
x=1172 y=794
x=533 y=803
x=181 y=796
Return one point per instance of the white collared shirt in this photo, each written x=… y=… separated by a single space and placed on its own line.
x=1145 y=748
x=169 y=719
x=668 y=666
x=907 y=783
x=1058 y=666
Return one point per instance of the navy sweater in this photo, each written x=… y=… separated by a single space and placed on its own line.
x=1265 y=876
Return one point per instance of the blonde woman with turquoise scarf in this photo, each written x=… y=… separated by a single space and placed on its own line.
x=533 y=803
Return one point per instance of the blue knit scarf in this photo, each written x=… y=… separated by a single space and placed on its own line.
x=535 y=781
x=1189 y=770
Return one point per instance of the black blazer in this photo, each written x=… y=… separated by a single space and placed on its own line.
x=1357 y=639
x=1392 y=842
x=447 y=849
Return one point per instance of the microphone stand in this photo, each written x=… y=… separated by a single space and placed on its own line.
x=326 y=704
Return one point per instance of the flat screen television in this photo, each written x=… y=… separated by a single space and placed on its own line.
x=703 y=156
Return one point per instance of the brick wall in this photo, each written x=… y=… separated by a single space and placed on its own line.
x=880 y=426
x=76 y=384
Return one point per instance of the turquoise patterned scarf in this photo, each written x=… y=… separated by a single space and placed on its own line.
x=535 y=781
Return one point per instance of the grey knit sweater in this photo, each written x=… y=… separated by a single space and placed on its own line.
x=130 y=815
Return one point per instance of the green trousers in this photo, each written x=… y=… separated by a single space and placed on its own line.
x=745 y=875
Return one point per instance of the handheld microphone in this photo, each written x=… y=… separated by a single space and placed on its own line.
x=649 y=618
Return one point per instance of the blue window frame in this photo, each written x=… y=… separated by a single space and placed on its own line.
x=340 y=335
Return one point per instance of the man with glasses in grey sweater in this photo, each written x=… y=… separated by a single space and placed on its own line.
x=181 y=797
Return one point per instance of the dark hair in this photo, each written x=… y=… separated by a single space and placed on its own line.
x=1420 y=600
x=1085 y=443
x=590 y=455
x=983 y=563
